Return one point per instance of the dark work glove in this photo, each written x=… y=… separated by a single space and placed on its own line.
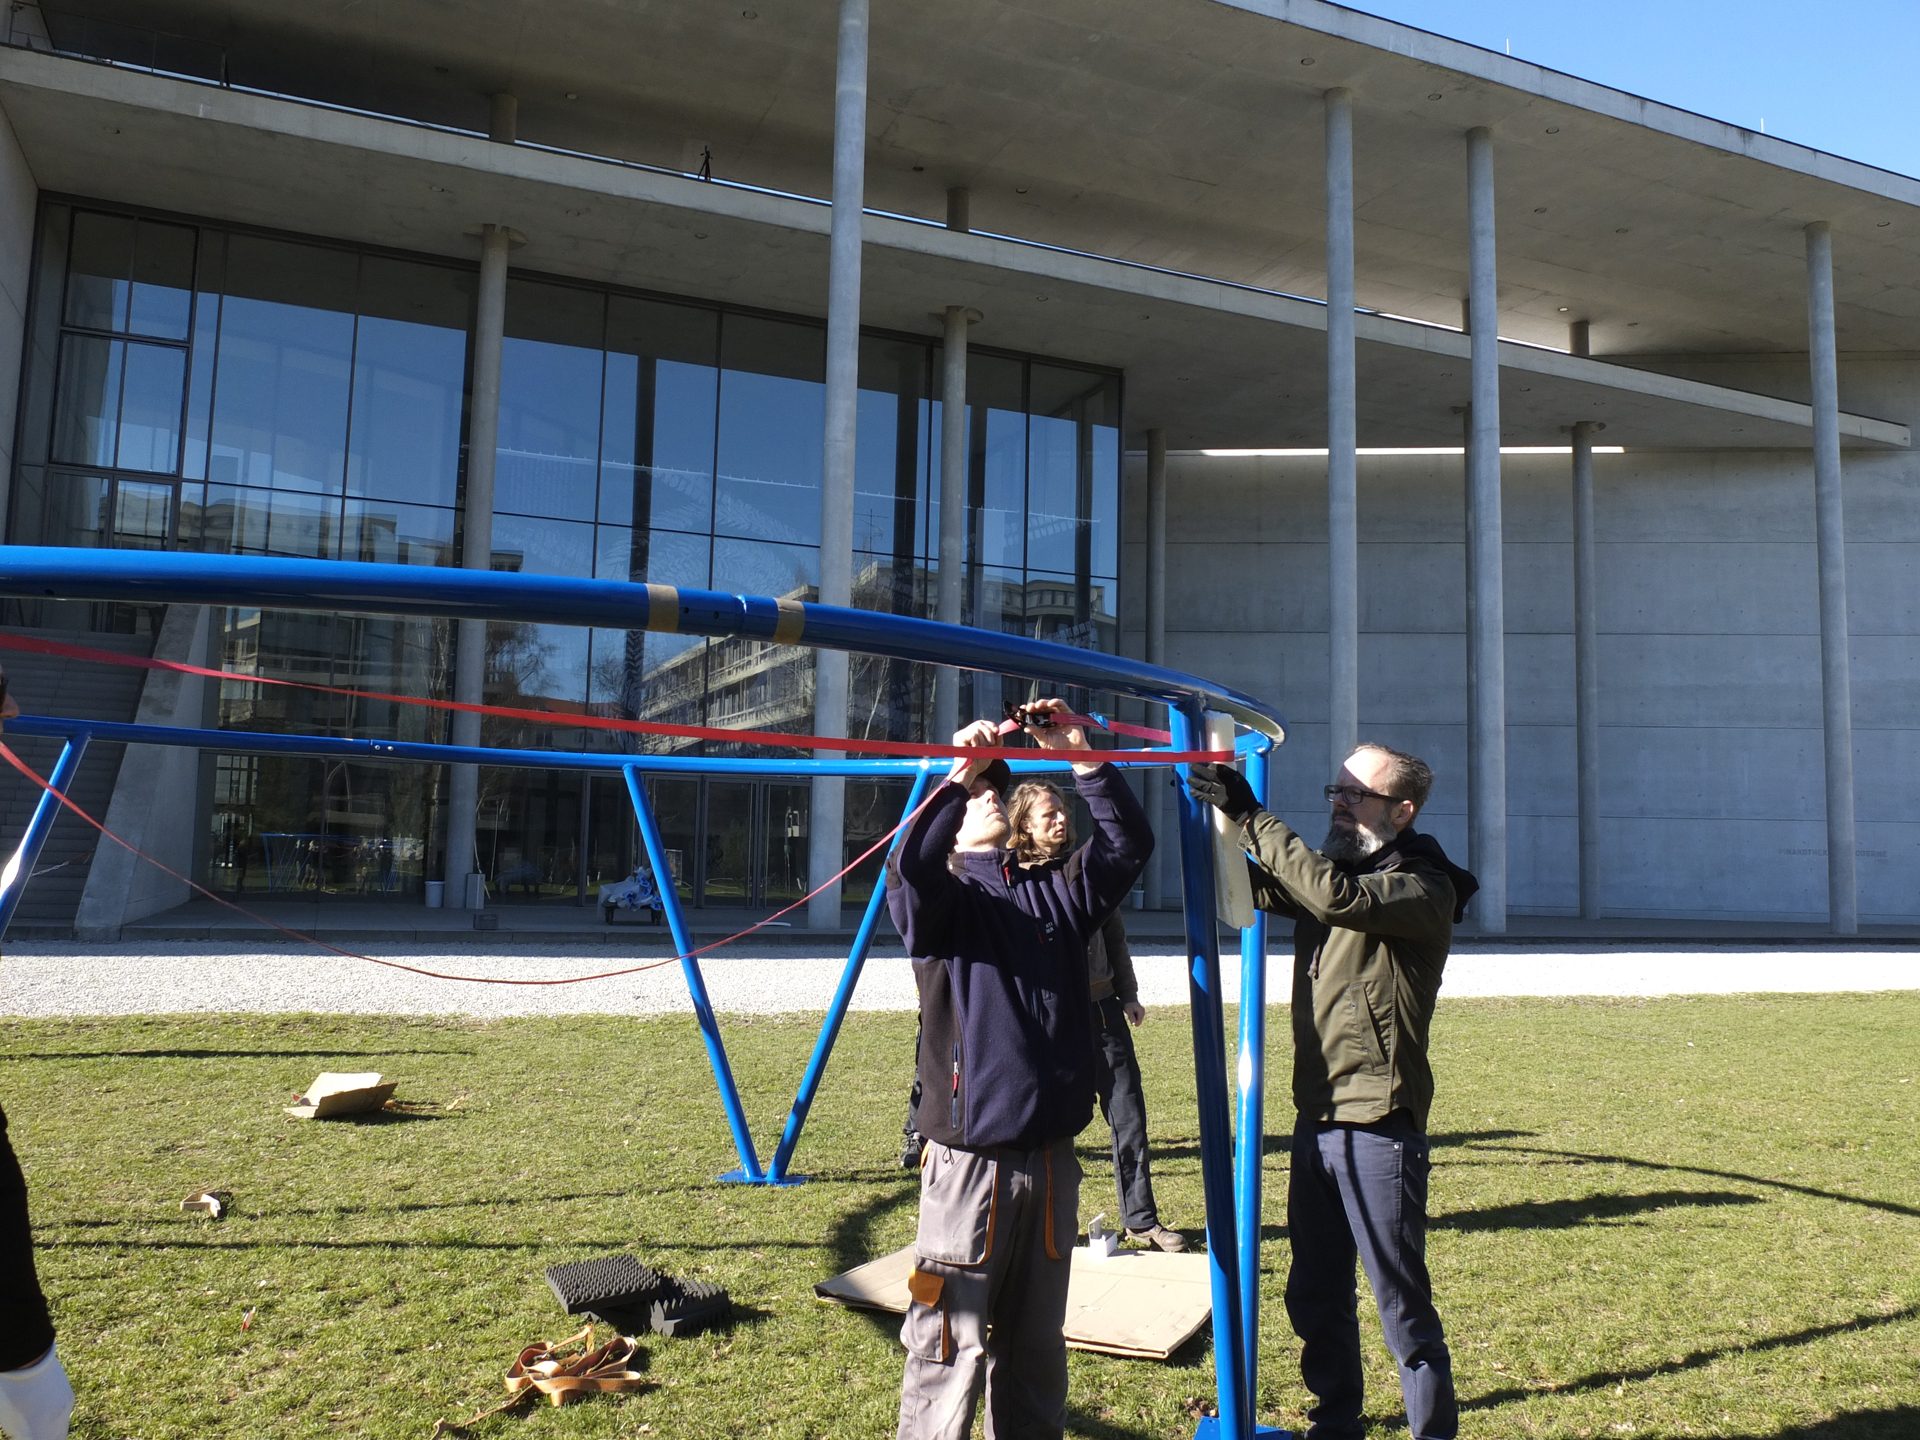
x=1224 y=788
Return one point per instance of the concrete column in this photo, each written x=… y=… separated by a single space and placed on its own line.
x=1843 y=899
x=1487 y=724
x=951 y=575
x=1580 y=338
x=503 y=118
x=1343 y=516
x=1156 y=795
x=842 y=405
x=959 y=208
x=950 y=578
x=476 y=551
x=1586 y=671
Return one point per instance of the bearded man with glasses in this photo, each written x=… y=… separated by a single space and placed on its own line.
x=1373 y=912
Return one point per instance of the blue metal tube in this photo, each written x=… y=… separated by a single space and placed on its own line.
x=1209 y=1074
x=696 y=983
x=354 y=587
x=19 y=869
x=842 y=998
x=1249 y=1134
x=252 y=742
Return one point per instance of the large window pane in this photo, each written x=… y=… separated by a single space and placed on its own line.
x=77 y=509
x=409 y=379
x=150 y=408
x=643 y=674
x=755 y=684
x=245 y=521
x=772 y=430
x=550 y=375
x=657 y=440
x=530 y=666
x=890 y=446
x=99 y=271
x=162 y=281
x=86 y=416
x=997 y=454
x=286 y=342
x=389 y=533
x=887 y=698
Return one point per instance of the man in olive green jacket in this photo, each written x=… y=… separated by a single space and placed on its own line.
x=1373 y=911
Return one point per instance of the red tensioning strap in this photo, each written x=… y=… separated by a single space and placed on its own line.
x=27 y=770
x=907 y=749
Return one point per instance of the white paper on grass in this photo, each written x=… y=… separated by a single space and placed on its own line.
x=1232 y=894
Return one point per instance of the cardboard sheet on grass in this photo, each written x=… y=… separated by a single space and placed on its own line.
x=1139 y=1303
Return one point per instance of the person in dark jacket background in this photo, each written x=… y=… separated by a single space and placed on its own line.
x=1373 y=911
x=1006 y=1071
x=1043 y=835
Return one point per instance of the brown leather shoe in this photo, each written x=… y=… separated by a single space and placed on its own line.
x=1171 y=1241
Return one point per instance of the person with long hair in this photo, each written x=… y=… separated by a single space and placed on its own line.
x=1043 y=836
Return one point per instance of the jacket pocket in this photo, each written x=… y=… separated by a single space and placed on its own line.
x=959 y=1205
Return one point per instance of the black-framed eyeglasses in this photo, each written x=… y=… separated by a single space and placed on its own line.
x=1353 y=795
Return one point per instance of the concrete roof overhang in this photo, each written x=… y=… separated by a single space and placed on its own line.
x=1213 y=364
x=1183 y=134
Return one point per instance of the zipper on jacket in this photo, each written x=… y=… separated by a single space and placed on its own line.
x=953 y=1101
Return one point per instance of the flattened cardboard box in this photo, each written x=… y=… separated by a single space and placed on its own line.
x=1139 y=1303
x=334 y=1094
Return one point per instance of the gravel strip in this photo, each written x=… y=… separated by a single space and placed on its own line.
x=69 y=978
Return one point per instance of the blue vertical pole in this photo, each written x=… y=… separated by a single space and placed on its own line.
x=1249 y=1136
x=19 y=869
x=696 y=985
x=1209 y=1073
x=842 y=997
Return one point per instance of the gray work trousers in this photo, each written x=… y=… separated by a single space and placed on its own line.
x=989 y=1293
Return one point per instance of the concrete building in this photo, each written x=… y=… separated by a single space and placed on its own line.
x=1558 y=435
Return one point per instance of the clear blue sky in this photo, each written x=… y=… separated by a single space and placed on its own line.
x=1838 y=76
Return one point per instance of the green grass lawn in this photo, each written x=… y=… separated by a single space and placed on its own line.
x=1693 y=1217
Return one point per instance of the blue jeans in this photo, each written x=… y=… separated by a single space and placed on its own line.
x=1360 y=1191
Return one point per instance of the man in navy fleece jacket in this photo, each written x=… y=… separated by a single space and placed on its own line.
x=1006 y=1078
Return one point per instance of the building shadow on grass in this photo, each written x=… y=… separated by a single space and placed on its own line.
x=1538 y=1154
x=190 y=1054
x=1902 y=1422
x=1608 y=1379
x=1093 y=1142
x=1597 y=1209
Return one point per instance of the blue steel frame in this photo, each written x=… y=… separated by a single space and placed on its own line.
x=1230 y=1162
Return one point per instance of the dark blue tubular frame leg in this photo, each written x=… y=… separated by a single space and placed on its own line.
x=696 y=983
x=19 y=868
x=842 y=997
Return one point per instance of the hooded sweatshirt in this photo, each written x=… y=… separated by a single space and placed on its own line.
x=1000 y=958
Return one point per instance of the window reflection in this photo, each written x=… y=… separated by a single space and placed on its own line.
x=772 y=430
x=549 y=442
x=393 y=534
x=649 y=675
x=997 y=455
x=657 y=440
x=533 y=666
x=286 y=344
x=409 y=378
x=752 y=683
x=312 y=400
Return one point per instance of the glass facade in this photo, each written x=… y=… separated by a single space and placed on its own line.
x=197 y=387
